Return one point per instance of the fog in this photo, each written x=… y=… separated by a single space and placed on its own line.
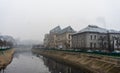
x=31 y=19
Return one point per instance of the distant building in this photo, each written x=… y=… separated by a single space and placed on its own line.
x=50 y=39
x=96 y=38
x=46 y=40
x=6 y=41
x=64 y=38
x=114 y=40
x=59 y=38
x=53 y=36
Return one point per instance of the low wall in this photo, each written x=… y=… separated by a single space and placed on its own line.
x=89 y=63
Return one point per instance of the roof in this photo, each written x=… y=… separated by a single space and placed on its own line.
x=93 y=28
x=68 y=29
x=96 y=29
x=55 y=30
x=114 y=31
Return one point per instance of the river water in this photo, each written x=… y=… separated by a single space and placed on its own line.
x=27 y=62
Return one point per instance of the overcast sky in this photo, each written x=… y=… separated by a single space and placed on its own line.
x=31 y=19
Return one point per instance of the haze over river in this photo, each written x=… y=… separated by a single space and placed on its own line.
x=28 y=62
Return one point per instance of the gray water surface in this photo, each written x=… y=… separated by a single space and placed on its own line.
x=27 y=62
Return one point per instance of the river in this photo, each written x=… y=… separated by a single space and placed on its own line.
x=28 y=62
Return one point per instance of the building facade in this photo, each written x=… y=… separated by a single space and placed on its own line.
x=50 y=39
x=46 y=40
x=64 y=38
x=96 y=38
x=59 y=38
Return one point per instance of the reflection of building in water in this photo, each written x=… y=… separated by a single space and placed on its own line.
x=55 y=67
x=5 y=58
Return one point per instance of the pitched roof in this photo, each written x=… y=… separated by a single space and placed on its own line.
x=114 y=31
x=55 y=30
x=68 y=29
x=93 y=28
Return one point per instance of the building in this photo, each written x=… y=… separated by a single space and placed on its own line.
x=96 y=38
x=114 y=40
x=63 y=38
x=59 y=38
x=46 y=40
x=50 y=39
x=53 y=36
x=6 y=41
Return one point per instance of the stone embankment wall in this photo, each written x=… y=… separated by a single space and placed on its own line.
x=87 y=62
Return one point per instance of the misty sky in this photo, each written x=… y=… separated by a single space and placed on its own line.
x=31 y=19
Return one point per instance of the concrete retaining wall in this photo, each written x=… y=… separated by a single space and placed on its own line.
x=89 y=63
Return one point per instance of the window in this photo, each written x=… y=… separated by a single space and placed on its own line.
x=100 y=37
x=94 y=45
x=105 y=44
x=94 y=36
x=91 y=37
x=69 y=36
x=91 y=45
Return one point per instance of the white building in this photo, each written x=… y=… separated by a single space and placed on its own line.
x=96 y=38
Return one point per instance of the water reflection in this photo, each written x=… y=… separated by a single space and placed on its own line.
x=56 y=67
x=27 y=62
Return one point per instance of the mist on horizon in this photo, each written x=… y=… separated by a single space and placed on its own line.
x=31 y=19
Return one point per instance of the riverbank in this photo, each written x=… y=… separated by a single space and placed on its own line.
x=86 y=62
x=6 y=57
